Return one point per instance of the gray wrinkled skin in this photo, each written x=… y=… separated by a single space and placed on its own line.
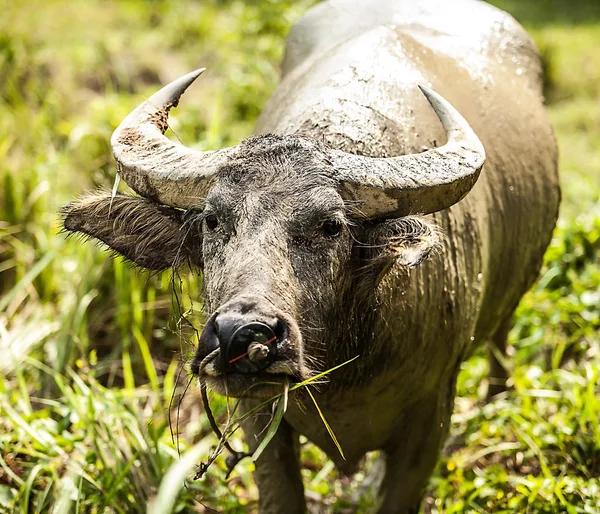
x=412 y=296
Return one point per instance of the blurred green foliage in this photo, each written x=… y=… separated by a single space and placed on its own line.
x=91 y=348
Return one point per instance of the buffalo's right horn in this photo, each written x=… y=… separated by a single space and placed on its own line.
x=391 y=187
x=153 y=165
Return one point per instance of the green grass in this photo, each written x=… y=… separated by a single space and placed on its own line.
x=90 y=348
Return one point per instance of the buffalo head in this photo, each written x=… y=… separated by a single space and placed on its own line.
x=290 y=233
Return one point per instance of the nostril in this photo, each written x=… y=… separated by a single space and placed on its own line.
x=252 y=347
x=226 y=326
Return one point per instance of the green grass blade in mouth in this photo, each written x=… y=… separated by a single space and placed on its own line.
x=329 y=429
x=304 y=383
x=322 y=374
x=274 y=425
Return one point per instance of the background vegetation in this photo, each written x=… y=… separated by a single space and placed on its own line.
x=90 y=349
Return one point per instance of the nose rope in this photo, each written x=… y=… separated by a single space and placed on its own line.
x=245 y=354
x=207 y=409
x=235 y=456
x=209 y=414
x=207 y=360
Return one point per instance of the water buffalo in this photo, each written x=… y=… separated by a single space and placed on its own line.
x=357 y=222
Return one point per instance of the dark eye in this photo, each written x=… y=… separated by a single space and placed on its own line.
x=212 y=222
x=332 y=228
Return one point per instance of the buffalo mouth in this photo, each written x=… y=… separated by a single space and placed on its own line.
x=259 y=385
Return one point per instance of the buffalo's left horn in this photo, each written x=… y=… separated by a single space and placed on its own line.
x=153 y=165
x=419 y=183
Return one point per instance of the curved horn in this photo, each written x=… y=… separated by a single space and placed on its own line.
x=153 y=165
x=420 y=183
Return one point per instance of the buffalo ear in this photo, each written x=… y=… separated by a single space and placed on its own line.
x=407 y=241
x=150 y=235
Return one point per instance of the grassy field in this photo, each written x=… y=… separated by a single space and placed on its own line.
x=92 y=350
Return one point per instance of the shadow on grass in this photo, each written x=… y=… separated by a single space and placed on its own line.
x=533 y=13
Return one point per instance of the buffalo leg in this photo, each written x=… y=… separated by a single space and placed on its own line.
x=497 y=352
x=412 y=457
x=402 y=488
x=277 y=473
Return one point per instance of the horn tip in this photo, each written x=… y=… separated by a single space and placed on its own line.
x=430 y=94
x=198 y=72
x=187 y=80
x=454 y=123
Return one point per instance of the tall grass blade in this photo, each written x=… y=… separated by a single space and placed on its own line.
x=29 y=277
x=146 y=358
x=128 y=375
x=173 y=481
x=28 y=487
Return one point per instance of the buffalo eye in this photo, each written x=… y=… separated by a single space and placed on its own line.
x=212 y=222
x=332 y=228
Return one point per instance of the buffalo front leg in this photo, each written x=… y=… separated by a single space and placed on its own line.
x=413 y=452
x=402 y=488
x=277 y=473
